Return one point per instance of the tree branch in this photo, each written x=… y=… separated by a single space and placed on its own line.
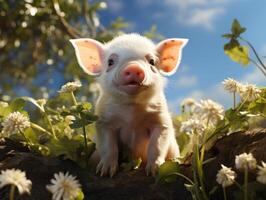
x=72 y=32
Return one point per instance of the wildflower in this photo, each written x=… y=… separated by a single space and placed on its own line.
x=250 y=92
x=14 y=123
x=189 y=102
x=3 y=104
x=225 y=176
x=69 y=119
x=231 y=85
x=41 y=102
x=209 y=111
x=245 y=161
x=262 y=173
x=192 y=125
x=70 y=87
x=64 y=186
x=17 y=178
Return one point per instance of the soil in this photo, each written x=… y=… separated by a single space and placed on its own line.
x=133 y=184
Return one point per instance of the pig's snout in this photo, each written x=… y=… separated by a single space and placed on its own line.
x=132 y=75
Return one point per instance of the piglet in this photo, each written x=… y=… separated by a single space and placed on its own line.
x=132 y=107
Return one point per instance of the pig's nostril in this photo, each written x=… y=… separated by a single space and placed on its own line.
x=127 y=73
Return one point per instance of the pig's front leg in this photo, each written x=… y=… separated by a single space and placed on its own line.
x=159 y=145
x=108 y=149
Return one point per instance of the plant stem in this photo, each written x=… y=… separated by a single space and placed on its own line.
x=234 y=96
x=28 y=142
x=37 y=127
x=83 y=128
x=184 y=177
x=199 y=168
x=254 y=51
x=85 y=143
x=73 y=98
x=51 y=125
x=12 y=192
x=243 y=102
x=246 y=184
x=224 y=192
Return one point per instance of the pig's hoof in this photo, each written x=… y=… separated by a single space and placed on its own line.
x=107 y=168
x=151 y=169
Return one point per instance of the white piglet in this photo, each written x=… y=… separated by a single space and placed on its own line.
x=132 y=108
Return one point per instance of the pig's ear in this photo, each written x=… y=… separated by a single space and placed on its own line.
x=89 y=53
x=170 y=53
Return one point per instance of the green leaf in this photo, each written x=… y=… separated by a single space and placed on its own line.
x=31 y=135
x=232 y=44
x=80 y=195
x=213 y=190
x=236 y=28
x=167 y=172
x=65 y=146
x=86 y=106
x=88 y=116
x=239 y=54
x=133 y=164
x=4 y=111
x=17 y=104
x=34 y=102
x=228 y=35
x=78 y=123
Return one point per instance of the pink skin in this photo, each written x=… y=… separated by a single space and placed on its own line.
x=132 y=108
x=131 y=79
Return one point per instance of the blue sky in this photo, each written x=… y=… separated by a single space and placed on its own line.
x=204 y=65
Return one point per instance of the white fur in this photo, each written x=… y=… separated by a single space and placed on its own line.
x=141 y=122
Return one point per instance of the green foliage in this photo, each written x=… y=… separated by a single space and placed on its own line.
x=132 y=164
x=192 y=148
x=58 y=132
x=167 y=172
x=233 y=49
x=34 y=42
x=238 y=52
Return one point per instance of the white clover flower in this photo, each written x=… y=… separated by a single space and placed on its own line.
x=245 y=161
x=14 y=123
x=69 y=119
x=189 y=102
x=225 y=176
x=250 y=92
x=3 y=104
x=17 y=178
x=41 y=102
x=231 y=85
x=262 y=173
x=192 y=125
x=64 y=186
x=70 y=87
x=209 y=110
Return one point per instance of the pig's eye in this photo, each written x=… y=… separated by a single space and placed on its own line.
x=152 y=61
x=110 y=62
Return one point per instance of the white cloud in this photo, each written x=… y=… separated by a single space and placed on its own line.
x=255 y=77
x=115 y=5
x=201 y=17
x=201 y=13
x=185 y=81
x=215 y=92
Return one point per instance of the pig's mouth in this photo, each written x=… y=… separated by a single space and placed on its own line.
x=131 y=88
